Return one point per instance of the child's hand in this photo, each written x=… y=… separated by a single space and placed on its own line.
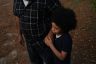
x=48 y=41
x=50 y=34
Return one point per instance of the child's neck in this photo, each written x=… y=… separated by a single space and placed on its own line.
x=59 y=35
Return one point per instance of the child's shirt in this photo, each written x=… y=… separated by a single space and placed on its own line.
x=63 y=43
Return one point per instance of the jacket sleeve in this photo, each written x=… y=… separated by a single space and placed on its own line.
x=56 y=9
x=15 y=6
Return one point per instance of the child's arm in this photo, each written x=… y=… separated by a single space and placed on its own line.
x=61 y=55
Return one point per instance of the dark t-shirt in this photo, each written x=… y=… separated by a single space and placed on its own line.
x=63 y=43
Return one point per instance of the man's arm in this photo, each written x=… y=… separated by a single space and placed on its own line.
x=55 y=7
x=56 y=10
x=16 y=5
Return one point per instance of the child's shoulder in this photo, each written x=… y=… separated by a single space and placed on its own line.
x=66 y=37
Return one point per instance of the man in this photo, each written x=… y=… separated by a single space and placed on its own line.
x=35 y=23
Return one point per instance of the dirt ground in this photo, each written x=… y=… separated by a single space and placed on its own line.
x=84 y=37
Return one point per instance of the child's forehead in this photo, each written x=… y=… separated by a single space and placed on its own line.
x=55 y=25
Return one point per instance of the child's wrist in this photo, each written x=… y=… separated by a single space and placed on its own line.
x=51 y=45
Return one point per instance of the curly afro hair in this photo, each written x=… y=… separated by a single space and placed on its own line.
x=67 y=21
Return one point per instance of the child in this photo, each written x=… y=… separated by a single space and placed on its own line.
x=61 y=46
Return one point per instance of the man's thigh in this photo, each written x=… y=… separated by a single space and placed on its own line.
x=33 y=55
x=44 y=52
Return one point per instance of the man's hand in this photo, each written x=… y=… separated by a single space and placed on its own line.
x=20 y=40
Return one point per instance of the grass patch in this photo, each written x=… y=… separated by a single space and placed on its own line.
x=77 y=1
x=93 y=3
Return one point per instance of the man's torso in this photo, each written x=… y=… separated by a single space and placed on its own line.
x=34 y=19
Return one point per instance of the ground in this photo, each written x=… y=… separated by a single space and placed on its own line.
x=84 y=36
